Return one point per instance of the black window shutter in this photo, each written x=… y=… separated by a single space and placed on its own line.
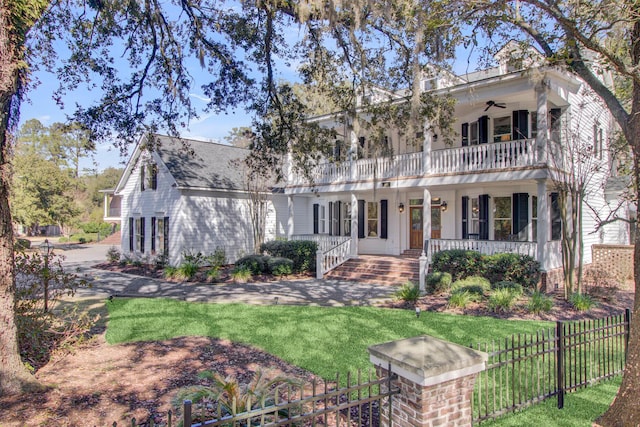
x=483 y=129
x=465 y=134
x=153 y=234
x=131 y=235
x=166 y=236
x=330 y=218
x=383 y=218
x=465 y=217
x=483 y=225
x=360 y=219
x=520 y=128
x=142 y=230
x=520 y=213
x=316 y=214
x=338 y=217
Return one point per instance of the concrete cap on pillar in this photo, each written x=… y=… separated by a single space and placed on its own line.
x=427 y=360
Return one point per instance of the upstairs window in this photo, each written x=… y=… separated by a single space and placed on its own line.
x=502 y=129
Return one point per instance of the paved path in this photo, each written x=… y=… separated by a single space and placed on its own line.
x=309 y=291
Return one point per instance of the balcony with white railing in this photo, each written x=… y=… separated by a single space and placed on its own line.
x=459 y=160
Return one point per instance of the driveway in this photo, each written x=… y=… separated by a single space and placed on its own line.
x=308 y=292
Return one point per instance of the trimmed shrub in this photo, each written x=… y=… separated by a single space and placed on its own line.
x=517 y=268
x=256 y=264
x=408 y=292
x=301 y=252
x=113 y=254
x=582 y=302
x=22 y=244
x=539 y=303
x=474 y=284
x=438 y=282
x=505 y=284
x=502 y=300
x=459 y=263
x=280 y=266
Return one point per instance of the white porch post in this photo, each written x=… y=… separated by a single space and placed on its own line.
x=106 y=205
x=290 y=221
x=426 y=148
x=353 y=154
x=354 y=225
x=543 y=123
x=543 y=224
x=426 y=216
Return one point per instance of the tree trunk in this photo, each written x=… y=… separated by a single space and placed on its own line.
x=14 y=376
x=625 y=411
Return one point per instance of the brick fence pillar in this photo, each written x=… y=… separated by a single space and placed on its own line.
x=435 y=379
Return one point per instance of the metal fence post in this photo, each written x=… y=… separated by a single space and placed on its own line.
x=560 y=363
x=187 y=413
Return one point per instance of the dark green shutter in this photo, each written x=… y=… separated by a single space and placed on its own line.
x=556 y=220
x=383 y=218
x=131 y=234
x=465 y=217
x=483 y=129
x=153 y=234
x=483 y=225
x=520 y=125
x=330 y=218
x=465 y=134
x=316 y=216
x=520 y=215
x=361 y=219
x=339 y=219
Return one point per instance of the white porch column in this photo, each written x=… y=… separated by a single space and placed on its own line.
x=426 y=148
x=543 y=223
x=354 y=225
x=106 y=205
x=543 y=122
x=426 y=216
x=353 y=154
x=290 y=222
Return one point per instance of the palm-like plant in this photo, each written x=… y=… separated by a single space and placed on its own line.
x=233 y=398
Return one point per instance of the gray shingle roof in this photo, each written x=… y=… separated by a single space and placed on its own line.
x=198 y=164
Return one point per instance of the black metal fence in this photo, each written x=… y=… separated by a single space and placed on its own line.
x=525 y=369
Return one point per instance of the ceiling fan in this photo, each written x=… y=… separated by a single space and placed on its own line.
x=495 y=104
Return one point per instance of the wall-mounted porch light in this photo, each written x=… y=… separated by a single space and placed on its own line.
x=401 y=207
x=443 y=206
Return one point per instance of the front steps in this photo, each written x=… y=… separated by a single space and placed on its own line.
x=384 y=270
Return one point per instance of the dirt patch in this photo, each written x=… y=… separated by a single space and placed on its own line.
x=99 y=383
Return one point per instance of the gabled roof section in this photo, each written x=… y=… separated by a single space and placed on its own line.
x=194 y=164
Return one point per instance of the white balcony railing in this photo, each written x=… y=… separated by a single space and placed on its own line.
x=474 y=158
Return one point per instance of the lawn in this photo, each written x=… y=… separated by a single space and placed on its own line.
x=323 y=340
x=326 y=340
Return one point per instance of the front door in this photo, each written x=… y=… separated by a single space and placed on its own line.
x=415 y=237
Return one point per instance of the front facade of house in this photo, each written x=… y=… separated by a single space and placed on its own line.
x=188 y=196
x=491 y=190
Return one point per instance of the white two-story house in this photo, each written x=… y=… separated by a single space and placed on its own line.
x=491 y=190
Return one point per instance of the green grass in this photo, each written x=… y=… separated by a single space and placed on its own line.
x=580 y=409
x=323 y=340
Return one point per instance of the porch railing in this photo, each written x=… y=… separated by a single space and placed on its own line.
x=332 y=250
x=474 y=158
x=486 y=247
